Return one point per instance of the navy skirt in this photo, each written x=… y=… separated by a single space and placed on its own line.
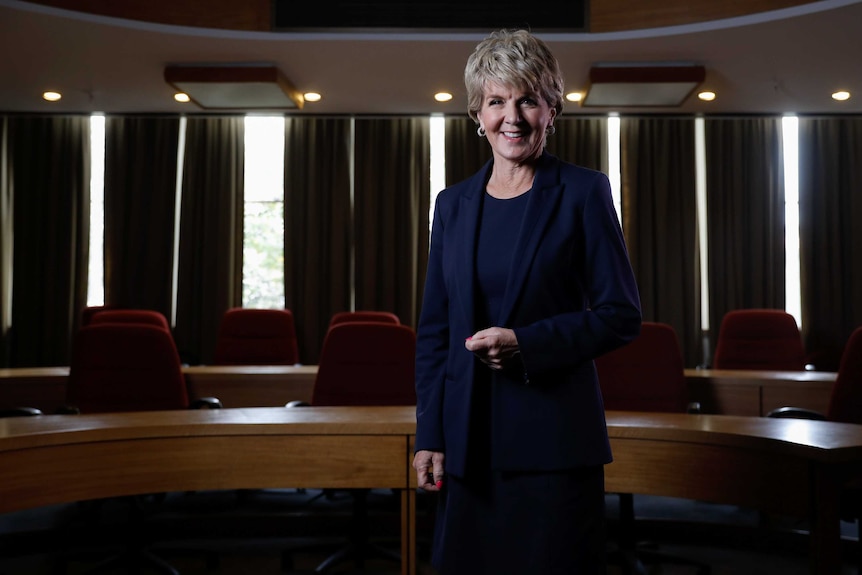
x=517 y=523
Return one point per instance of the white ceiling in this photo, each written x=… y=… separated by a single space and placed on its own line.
x=783 y=61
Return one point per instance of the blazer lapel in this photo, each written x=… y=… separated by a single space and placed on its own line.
x=468 y=223
x=541 y=206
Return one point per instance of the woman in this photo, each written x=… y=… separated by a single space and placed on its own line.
x=528 y=280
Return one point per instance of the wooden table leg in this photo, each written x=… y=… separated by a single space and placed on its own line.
x=408 y=532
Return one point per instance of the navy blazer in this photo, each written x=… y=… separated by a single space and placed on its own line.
x=571 y=296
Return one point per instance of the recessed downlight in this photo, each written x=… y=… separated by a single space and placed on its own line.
x=841 y=95
x=311 y=97
x=182 y=97
x=442 y=96
x=52 y=96
x=706 y=96
x=574 y=96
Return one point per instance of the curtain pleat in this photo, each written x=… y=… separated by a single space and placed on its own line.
x=830 y=234
x=140 y=207
x=391 y=203
x=49 y=175
x=211 y=233
x=745 y=216
x=317 y=226
x=658 y=204
x=465 y=151
x=582 y=141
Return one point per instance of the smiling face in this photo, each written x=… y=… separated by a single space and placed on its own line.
x=515 y=122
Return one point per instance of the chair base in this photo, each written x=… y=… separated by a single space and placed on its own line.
x=358 y=552
x=635 y=556
x=135 y=557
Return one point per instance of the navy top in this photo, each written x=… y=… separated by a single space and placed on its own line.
x=498 y=232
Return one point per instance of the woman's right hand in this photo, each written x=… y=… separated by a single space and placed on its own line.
x=429 y=469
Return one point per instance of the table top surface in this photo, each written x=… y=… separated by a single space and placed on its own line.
x=746 y=375
x=818 y=440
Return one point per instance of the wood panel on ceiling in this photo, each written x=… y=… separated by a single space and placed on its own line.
x=248 y=15
x=256 y=15
x=620 y=15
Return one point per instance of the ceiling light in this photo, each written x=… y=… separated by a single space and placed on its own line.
x=642 y=83
x=182 y=97
x=311 y=97
x=706 y=96
x=841 y=95
x=52 y=96
x=442 y=96
x=574 y=96
x=237 y=86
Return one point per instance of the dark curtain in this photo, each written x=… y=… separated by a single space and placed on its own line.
x=582 y=141
x=658 y=204
x=391 y=203
x=317 y=226
x=211 y=233
x=140 y=208
x=830 y=212
x=745 y=216
x=465 y=150
x=49 y=175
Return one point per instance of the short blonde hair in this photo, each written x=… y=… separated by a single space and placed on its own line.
x=513 y=58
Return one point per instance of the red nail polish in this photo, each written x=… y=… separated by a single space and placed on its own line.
x=439 y=484
x=469 y=338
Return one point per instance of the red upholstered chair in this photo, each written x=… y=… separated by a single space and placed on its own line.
x=761 y=339
x=256 y=337
x=89 y=311
x=145 y=316
x=123 y=367
x=845 y=403
x=648 y=374
x=845 y=406
x=364 y=315
x=364 y=363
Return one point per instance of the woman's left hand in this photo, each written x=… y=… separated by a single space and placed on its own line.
x=494 y=346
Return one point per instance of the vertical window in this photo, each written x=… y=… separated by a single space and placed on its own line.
x=614 y=164
x=700 y=203
x=793 y=282
x=438 y=161
x=263 y=222
x=96 y=264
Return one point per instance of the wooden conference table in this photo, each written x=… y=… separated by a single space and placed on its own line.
x=794 y=467
x=726 y=392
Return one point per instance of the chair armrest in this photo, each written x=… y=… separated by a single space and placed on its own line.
x=297 y=403
x=22 y=411
x=796 y=413
x=206 y=403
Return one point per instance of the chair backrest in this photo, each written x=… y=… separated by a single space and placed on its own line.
x=647 y=374
x=125 y=367
x=364 y=315
x=256 y=337
x=145 y=316
x=366 y=363
x=88 y=312
x=845 y=404
x=761 y=339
